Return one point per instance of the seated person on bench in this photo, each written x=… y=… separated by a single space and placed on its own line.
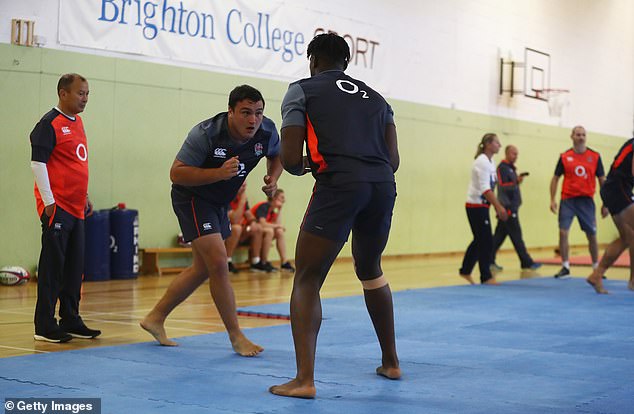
x=245 y=230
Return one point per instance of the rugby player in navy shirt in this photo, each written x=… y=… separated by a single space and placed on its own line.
x=352 y=152
x=207 y=173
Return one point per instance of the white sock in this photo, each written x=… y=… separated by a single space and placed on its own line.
x=566 y=264
x=595 y=265
x=255 y=260
x=229 y=259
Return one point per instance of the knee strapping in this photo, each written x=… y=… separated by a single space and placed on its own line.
x=372 y=284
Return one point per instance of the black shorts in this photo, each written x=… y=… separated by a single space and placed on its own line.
x=334 y=210
x=616 y=196
x=198 y=217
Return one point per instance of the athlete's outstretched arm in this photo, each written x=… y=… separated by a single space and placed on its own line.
x=293 y=149
x=392 y=146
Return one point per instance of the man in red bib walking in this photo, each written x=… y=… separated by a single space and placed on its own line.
x=581 y=167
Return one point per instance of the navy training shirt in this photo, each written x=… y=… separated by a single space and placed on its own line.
x=209 y=145
x=508 y=186
x=345 y=124
x=621 y=169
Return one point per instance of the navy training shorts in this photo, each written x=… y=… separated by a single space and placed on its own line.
x=335 y=210
x=198 y=217
x=616 y=196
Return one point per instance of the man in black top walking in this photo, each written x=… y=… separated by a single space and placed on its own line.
x=511 y=198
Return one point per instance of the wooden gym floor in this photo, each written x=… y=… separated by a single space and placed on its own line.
x=116 y=306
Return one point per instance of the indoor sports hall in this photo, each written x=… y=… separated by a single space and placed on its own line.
x=528 y=71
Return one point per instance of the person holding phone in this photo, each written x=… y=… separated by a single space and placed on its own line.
x=511 y=198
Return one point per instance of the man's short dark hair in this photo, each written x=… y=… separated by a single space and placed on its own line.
x=66 y=80
x=242 y=92
x=331 y=48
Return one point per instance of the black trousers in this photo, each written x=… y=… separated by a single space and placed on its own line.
x=511 y=228
x=60 y=271
x=481 y=248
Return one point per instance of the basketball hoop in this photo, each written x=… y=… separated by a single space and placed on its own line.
x=557 y=99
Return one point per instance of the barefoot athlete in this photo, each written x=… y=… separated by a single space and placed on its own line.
x=616 y=194
x=352 y=153
x=207 y=173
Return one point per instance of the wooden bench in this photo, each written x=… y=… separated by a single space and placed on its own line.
x=150 y=259
x=150 y=263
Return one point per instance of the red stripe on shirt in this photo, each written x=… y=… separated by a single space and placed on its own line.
x=626 y=151
x=313 y=142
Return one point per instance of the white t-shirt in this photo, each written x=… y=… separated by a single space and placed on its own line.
x=483 y=178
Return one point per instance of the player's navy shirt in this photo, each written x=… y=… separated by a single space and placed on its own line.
x=209 y=145
x=508 y=186
x=621 y=169
x=345 y=124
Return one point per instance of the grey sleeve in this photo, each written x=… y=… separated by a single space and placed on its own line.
x=294 y=107
x=274 y=144
x=389 y=116
x=195 y=148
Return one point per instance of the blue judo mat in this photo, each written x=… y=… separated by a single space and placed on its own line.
x=529 y=346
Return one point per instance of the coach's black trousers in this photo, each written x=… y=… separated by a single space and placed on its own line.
x=512 y=228
x=480 y=249
x=60 y=271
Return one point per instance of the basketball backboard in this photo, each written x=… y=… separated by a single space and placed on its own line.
x=536 y=68
x=536 y=73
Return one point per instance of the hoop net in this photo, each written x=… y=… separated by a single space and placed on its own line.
x=557 y=99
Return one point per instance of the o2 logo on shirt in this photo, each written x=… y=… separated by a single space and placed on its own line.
x=580 y=171
x=351 y=88
x=82 y=152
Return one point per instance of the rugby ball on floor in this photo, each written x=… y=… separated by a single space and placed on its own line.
x=13 y=275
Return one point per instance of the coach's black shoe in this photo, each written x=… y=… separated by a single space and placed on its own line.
x=564 y=273
x=57 y=336
x=533 y=266
x=83 y=332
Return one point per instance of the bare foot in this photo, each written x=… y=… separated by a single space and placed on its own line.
x=157 y=330
x=597 y=285
x=391 y=373
x=243 y=346
x=467 y=278
x=294 y=389
x=491 y=281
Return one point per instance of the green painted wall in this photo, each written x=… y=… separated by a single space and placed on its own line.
x=139 y=114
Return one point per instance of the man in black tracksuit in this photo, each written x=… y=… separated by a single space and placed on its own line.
x=511 y=198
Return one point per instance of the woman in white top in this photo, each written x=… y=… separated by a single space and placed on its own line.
x=480 y=197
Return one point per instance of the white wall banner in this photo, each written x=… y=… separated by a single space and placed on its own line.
x=257 y=37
